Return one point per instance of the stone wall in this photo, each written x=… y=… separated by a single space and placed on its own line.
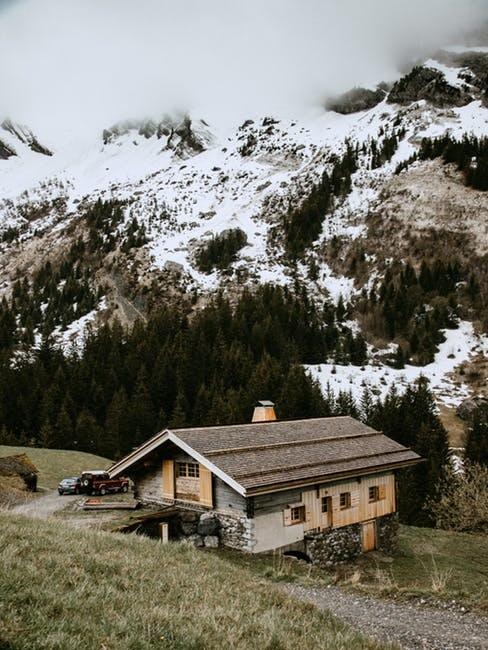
x=237 y=532
x=387 y=533
x=212 y=529
x=339 y=545
x=334 y=546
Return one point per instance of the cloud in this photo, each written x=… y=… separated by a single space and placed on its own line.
x=83 y=64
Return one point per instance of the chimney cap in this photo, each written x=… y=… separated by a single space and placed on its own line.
x=265 y=402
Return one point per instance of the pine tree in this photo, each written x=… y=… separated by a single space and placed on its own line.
x=89 y=434
x=178 y=416
x=477 y=440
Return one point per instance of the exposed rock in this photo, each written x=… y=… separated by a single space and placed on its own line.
x=209 y=524
x=194 y=540
x=6 y=152
x=356 y=100
x=470 y=407
x=430 y=85
x=211 y=541
x=26 y=136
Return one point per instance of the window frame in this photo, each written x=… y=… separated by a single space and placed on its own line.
x=373 y=493
x=324 y=502
x=301 y=514
x=347 y=500
x=187 y=469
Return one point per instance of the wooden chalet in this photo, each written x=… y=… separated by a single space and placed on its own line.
x=313 y=485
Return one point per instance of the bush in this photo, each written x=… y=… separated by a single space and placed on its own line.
x=463 y=502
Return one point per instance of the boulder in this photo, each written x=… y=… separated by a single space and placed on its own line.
x=211 y=541
x=469 y=407
x=194 y=540
x=189 y=527
x=209 y=524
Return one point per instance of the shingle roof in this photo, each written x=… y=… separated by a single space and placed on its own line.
x=265 y=455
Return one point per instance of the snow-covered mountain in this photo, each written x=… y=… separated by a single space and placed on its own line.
x=184 y=180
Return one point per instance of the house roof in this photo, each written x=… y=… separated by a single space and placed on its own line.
x=269 y=456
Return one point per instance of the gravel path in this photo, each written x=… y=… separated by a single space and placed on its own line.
x=44 y=506
x=411 y=625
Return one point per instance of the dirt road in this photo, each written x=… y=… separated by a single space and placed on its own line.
x=46 y=505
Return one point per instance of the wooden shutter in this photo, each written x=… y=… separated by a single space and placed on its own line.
x=206 y=487
x=381 y=492
x=168 y=479
x=287 y=517
x=354 y=498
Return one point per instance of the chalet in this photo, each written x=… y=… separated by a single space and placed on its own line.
x=323 y=486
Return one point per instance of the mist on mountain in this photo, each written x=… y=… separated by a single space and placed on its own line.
x=76 y=66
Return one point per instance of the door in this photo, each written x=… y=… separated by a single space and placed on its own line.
x=369 y=536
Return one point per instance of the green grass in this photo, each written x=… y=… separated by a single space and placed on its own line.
x=436 y=565
x=89 y=589
x=433 y=564
x=55 y=464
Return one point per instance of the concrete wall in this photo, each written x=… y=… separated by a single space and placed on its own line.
x=269 y=532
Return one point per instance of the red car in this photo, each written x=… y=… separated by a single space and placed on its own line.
x=99 y=482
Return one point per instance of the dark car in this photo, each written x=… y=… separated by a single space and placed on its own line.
x=99 y=482
x=70 y=485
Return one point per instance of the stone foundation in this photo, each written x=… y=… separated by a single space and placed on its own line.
x=334 y=546
x=236 y=532
x=210 y=529
x=341 y=545
x=387 y=533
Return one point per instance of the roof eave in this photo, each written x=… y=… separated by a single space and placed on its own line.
x=144 y=450
x=330 y=478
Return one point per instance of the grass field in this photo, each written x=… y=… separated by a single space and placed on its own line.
x=87 y=589
x=55 y=464
x=433 y=564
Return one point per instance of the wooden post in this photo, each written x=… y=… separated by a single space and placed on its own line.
x=164 y=533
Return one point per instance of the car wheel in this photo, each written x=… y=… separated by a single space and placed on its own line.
x=103 y=491
x=124 y=488
x=60 y=493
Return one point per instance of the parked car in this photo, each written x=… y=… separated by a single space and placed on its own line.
x=99 y=482
x=70 y=485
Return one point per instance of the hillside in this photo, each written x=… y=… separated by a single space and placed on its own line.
x=174 y=186
x=131 y=592
x=348 y=239
x=55 y=464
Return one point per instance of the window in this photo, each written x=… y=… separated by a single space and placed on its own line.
x=294 y=515
x=188 y=470
x=325 y=504
x=345 y=500
x=297 y=514
x=374 y=493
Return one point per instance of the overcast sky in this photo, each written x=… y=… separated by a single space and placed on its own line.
x=83 y=64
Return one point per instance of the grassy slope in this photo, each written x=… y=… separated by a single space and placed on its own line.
x=87 y=589
x=55 y=464
x=434 y=564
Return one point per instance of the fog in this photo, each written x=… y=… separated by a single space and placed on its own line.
x=81 y=65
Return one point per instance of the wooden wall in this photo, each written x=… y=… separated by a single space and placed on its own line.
x=361 y=509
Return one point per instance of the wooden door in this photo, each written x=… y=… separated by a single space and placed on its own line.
x=369 y=536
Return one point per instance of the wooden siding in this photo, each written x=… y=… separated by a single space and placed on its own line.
x=205 y=493
x=360 y=509
x=226 y=499
x=168 y=483
x=275 y=502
